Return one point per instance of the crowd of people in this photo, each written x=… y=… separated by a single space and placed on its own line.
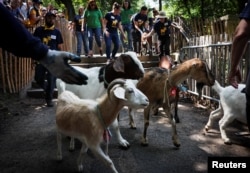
x=120 y=26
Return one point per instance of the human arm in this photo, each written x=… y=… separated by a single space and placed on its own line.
x=23 y=44
x=241 y=37
x=121 y=30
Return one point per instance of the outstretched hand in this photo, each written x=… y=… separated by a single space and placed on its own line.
x=57 y=63
x=234 y=77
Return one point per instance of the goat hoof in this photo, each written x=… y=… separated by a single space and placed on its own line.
x=59 y=158
x=80 y=168
x=227 y=142
x=132 y=125
x=177 y=145
x=144 y=142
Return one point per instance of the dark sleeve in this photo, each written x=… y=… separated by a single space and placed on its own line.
x=59 y=37
x=15 y=38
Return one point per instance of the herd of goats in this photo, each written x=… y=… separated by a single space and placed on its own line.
x=124 y=82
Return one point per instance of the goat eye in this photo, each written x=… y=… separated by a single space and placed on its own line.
x=130 y=90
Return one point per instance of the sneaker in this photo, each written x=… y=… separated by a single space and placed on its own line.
x=50 y=103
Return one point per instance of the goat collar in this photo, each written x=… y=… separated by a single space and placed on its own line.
x=105 y=82
x=102 y=76
x=100 y=117
x=106 y=132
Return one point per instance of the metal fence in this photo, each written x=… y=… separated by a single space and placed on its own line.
x=218 y=58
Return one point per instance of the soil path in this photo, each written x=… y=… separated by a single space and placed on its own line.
x=28 y=142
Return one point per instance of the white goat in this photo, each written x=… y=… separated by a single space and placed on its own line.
x=87 y=120
x=232 y=107
x=126 y=66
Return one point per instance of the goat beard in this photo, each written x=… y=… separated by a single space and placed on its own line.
x=199 y=86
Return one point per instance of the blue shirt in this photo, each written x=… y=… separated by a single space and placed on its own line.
x=162 y=29
x=50 y=37
x=112 y=22
x=140 y=19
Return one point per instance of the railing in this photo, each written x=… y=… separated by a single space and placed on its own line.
x=218 y=58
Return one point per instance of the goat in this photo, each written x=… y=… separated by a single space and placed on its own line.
x=126 y=66
x=88 y=120
x=157 y=84
x=232 y=106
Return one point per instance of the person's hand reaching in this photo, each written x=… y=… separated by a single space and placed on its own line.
x=57 y=63
x=234 y=77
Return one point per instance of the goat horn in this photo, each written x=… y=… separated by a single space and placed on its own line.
x=115 y=82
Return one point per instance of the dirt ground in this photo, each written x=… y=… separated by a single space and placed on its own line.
x=28 y=142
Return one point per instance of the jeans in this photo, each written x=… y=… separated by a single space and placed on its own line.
x=82 y=38
x=164 y=47
x=97 y=32
x=45 y=80
x=127 y=28
x=136 y=37
x=113 y=37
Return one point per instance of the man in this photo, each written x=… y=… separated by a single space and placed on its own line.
x=23 y=44
x=241 y=37
x=162 y=29
x=138 y=22
x=51 y=37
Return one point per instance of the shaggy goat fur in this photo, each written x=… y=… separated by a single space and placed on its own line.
x=232 y=107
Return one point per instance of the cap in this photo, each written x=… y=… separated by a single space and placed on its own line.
x=50 y=14
x=37 y=1
x=162 y=14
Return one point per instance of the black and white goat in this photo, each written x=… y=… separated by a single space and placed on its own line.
x=126 y=66
x=232 y=107
x=88 y=120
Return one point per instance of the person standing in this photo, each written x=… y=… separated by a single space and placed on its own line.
x=126 y=14
x=138 y=23
x=80 y=32
x=162 y=28
x=34 y=12
x=23 y=44
x=240 y=40
x=51 y=37
x=111 y=24
x=93 y=19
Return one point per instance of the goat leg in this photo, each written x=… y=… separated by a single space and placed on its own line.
x=144 y=140
x=131 y=118
x=123 y=142
x=98 y=152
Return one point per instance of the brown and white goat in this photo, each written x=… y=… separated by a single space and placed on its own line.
x=88 y=120
x=157 y=85
x=126 y=66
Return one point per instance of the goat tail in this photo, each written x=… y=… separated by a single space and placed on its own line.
x=217 y=87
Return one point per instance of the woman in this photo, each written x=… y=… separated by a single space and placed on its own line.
x=111 y=24
x=126 y=14
x=81 y=35
x=93 y=19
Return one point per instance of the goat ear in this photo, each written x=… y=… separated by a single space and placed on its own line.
x=120 y=93
x=119 y=64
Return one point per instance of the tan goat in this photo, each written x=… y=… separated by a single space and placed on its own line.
x=88 y=120
x=157 y=85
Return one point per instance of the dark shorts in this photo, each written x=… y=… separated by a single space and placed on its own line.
x=245 y=14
